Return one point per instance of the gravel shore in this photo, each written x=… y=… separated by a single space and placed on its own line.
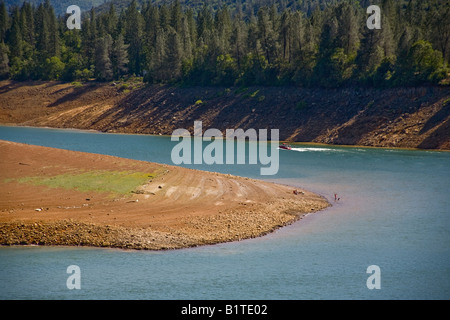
x=176 y=208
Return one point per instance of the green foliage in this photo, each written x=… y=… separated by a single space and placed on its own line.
x=241 y=90
x=422 y=64
x=228 y=43
x=4 y=61
x=252 y=95
x=77 y=84
x=446 y=102
x=426 y=62
x=54 y=68
x=84 y=74
x=226 y=70
x=111 y=182
x=103 y=65
x=301 y=105
x=60 y=6
x=21 y=69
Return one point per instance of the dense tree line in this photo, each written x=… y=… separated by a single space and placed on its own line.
x=59 y=6
x=326 y=45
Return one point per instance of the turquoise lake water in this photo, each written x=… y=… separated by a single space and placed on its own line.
x=393 y=213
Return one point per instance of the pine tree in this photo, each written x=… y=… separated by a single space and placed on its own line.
x=339 y=42
x=185 y=35
x=238 y=40
x=286 y=35
x=157 y=68
x=254 y=43
x=164 y=17
x=324 y=71
x=42 y=32
x=388 y=39
x=223 y=29
x=254 y=64
x=133 y=37
x=111 y=21
x=176 y=16
x=438 y=28
x=370 y=54
x=204 y=23
x=89 y=38
x=266 y=34
x=303 y=50
x=4 y=21
x=4 y=61
x=15 y=40
x=151 y=25
x=119 y=57
x=173 y=56
x=27 y=23
x=192 y=27
x=348 y=28
x=54 y=44
x=103 y=65
x=403 y=70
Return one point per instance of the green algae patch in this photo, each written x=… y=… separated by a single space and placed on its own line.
x=113 y=182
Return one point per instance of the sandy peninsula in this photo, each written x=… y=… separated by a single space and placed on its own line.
x=59 y=197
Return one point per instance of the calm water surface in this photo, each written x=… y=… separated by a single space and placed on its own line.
x=394 y=213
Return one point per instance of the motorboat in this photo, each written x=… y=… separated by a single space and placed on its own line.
x=285 y=146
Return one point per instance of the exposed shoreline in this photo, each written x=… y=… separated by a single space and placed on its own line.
x=415 y=117
x=178 y=208
x=316 y=144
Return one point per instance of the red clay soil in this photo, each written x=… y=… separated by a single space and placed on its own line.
x=178 y=208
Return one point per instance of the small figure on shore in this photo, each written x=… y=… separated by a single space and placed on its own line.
x=296 y=192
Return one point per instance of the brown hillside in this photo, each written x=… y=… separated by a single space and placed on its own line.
x=400 y=117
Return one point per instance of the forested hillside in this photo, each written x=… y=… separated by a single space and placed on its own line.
x=247 y=6
x=302 y=43
x=60 y=6
x=413 y=117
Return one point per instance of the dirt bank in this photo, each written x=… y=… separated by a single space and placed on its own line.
x=41 y=202
x=398 y=117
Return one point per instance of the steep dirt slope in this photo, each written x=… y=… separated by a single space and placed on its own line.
x=400 y=117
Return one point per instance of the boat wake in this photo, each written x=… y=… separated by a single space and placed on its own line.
x=316 y=150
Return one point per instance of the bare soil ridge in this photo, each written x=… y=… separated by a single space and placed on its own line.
x=398 y=117
x=176 y=208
